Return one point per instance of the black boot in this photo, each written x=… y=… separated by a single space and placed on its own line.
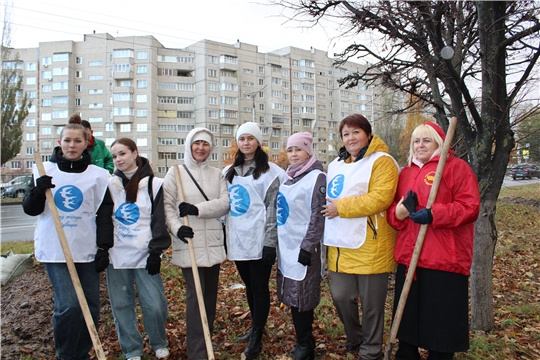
x=247 y=335
x=254 y=347
x=304 y=353
x=305 y=350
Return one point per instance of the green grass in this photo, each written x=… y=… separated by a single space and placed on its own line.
x=18 y=247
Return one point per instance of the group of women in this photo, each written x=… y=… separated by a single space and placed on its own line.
x=348 y=218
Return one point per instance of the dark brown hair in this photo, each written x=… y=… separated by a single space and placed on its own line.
x=132 y=187
x=355 y=121
x=74 y=119
x=261 y=164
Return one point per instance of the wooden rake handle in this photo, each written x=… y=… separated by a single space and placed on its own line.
x=195 y=270
x=420 y=239
x=70 y=264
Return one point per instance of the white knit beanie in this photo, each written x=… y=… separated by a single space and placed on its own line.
x=249 y=128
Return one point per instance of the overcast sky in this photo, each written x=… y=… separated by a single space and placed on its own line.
x=176 y=24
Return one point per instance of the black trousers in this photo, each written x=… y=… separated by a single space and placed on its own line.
x=303 y=325
x=256 y=275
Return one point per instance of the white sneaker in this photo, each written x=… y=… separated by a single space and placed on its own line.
x=134 y=358
x=162 y=353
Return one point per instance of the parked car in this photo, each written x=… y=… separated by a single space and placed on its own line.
x=525 y=171
x=16 y=188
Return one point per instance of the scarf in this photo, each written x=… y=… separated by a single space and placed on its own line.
x=298 y=169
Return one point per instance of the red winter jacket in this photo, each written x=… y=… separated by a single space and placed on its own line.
x=448 y=245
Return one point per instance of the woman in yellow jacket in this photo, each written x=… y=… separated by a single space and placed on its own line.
x=361 y=184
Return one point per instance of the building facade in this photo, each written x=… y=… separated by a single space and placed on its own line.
x=135 y=87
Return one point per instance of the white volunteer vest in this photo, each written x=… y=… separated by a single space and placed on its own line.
x=293 y=215
x=247 y=214
x=77 y=197
x=132 y=230
x=345 y=180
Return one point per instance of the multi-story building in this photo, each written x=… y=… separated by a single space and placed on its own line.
x=135 y=87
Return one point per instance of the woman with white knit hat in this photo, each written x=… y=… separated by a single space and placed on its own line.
x=300 y=231
x=253 y=184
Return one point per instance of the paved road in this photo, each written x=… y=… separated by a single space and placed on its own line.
x=15 y=225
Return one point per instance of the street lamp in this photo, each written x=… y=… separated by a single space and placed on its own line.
x=252 y=94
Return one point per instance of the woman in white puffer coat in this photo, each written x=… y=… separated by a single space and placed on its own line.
x=205 y=229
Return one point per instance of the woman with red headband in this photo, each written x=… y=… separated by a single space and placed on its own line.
x=436 y=313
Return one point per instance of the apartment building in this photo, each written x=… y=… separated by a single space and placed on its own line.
x=135 y=87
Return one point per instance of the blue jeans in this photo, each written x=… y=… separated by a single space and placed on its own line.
x=153 y=304
x=71 y=338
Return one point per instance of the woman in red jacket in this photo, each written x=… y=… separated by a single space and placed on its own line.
x=436 y=313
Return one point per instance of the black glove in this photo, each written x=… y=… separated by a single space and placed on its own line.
x=42 y=184
x=102 y=260
x=187 y=209
x=422 y=216
x=185 y=232
x=153 y=264
x=268 y=255
x=304 y=257
x=410 y=202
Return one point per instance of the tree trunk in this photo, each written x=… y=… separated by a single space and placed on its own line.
x=481 y=270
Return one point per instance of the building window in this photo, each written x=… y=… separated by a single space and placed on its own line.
x=60 y=114
x=213 y=86
x=142 y=55
x=78 y=102
x=125 y=127
x=46 y=88
x=142 y=112
x=95 y=63
x=95 y=77
x=109 y=127
x=31 y=80
x=212 y=114
x=142 y=142
x=275 y=145
x=78 y=88
x=213 y=128
x=30 y=136
x=46 y=102
x=142 y=69
x=123 y=53
x=212 y=100
x=15 y=164
x=46 y=61
x=30 y=150
x=261 y=69
x=142 y=84
x=95 y=119
x=212 y=73
x=142 y=127
x=60 y=57
x=60 y=99
x=142 y=98
x=226 y=142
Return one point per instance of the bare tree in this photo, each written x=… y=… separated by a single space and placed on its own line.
x=14 y=105
x=473 y=60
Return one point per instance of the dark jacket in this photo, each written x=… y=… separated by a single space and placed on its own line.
x=34 y=204
x=161 y=239
x=306 y=294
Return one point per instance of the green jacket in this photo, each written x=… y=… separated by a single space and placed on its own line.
x=101 y=156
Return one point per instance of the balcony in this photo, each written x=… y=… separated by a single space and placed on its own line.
x=123 y=75
x=123 y=119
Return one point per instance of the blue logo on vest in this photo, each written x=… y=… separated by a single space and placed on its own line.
x=128 y=213
x=239 y=200
x=282 y=209
x=335 y=187
x=68 y=198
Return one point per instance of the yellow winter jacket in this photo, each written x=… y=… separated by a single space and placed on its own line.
x=376 y=255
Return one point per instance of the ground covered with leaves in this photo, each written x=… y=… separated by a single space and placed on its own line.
x=27 y=304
